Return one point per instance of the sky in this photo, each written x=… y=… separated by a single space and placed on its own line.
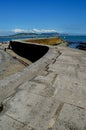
x=63 y=16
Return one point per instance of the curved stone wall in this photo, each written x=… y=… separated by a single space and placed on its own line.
x=33 y=52
x=9 y=85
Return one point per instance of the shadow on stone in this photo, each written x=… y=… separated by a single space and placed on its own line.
x=33 y=52
x=1 y=107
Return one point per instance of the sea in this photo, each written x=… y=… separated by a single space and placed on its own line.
x=74 y=41
x=77 y=42
x=6 y=39
x=74 y=38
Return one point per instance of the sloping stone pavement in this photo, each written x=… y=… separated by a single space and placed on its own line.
x=48 y=95
x=8 y=64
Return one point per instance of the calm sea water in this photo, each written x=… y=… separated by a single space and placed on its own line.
x=74 y=38
x=73 y=41
x=66 y=38
x=77 y=42
x=4 y=39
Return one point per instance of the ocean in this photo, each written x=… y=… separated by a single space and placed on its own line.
x=5 y=39
x=70 y=38
x=73 y=41
x=77 y=42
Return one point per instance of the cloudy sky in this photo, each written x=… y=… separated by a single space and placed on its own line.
x=67 y=16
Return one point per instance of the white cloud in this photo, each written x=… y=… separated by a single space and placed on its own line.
x=43 y=31
x=19 y=30
x=33 y=30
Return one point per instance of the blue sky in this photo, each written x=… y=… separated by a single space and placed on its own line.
x=68 y=16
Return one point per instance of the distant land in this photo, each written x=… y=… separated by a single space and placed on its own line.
x=20 y=35
x=50 y=34
x=64 y=36
x=30 y=34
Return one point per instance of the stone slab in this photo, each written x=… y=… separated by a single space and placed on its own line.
x=45 y=90
x=7 y=123
x=71 y=90
x=32 y=109
x=71 y=118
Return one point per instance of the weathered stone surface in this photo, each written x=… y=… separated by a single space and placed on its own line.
x=32 y=109
x=48 y=95
x=71 y=118
x=7 y=123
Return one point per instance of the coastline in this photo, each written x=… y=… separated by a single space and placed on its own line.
x=10 y=62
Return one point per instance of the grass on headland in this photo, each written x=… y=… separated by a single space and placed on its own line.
x=46 y=41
